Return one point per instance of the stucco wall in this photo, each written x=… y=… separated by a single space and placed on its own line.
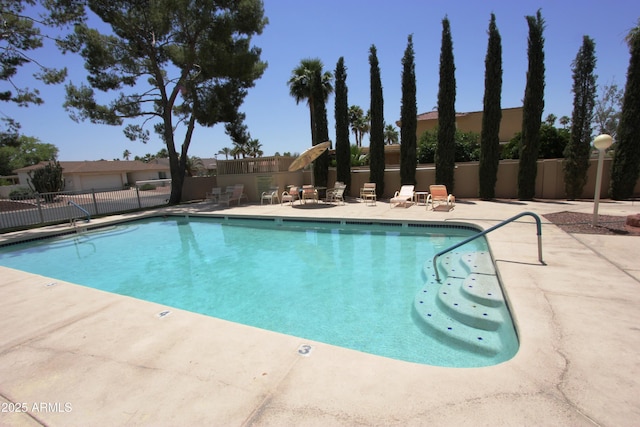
x=549 y=180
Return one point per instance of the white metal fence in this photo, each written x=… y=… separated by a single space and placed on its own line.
x=32 y=209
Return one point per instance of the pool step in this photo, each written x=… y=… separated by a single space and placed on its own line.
x=454 y=301
x=467 y=308
x=460 y=264
x=451 y=331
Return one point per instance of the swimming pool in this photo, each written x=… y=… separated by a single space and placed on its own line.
x=357 y=284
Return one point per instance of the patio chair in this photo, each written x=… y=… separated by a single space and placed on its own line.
x=236 y=195
x=439 y=194
x=403 y=197
x=309 y=193
x=271 y=195
x=214 y=195
x=291 y=195
x=368 y=192
x=337 y=184
x=336 y=194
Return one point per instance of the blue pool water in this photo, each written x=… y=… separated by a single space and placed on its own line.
x=351 y=285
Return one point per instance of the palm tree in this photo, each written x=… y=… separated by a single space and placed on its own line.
x=237 y=151
x=194 y=164
x=359 y=123
x=390 y=135
x=226 y=151
x=126 y=155
x=301 y=84
x=357 y=158
x=240 y=149
x=254 y=148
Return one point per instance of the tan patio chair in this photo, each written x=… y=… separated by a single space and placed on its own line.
x=309 y=193
x=291 y=195
x=403 y=197
x=368 y=192
x=439 y=194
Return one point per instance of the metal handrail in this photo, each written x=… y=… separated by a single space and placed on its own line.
x=82 y=209
x=488 y=230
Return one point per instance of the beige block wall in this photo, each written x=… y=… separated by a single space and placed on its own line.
x=549 y=180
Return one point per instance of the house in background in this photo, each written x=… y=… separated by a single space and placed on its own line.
x=510 y=124
x=103 y=174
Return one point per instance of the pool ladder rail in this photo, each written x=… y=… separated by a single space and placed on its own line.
x=489 y=230
x=72 y=219
x=469 y=311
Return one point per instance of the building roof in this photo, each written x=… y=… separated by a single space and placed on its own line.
x=102 y=166
x=433 y=115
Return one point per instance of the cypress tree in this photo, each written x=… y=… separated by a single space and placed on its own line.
x=446 y=148
x=343 y=150
x=491 y=116
x=408 y=117
x=320 y=130
x=532 y=110
x=376 y=135
x=626 y=161
x=578 y=150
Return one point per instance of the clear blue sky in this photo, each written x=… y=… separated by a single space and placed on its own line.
x=334 y=28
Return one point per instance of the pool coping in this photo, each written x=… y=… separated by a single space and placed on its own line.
x=576 y=365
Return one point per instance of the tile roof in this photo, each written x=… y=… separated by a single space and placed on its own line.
x=103 y=166
x=433 y=115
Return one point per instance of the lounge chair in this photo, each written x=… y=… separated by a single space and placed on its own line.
x=368 y=192
x=439 y=194
x=291 y=195
x=309 y=193
x=336 y=194
x=235 y=195
x=271 y=195
x=403 y=197
x=214 y=195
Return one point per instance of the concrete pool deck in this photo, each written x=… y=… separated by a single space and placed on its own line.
x=78 y=356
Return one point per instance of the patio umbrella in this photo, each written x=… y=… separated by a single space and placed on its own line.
x=309 y=155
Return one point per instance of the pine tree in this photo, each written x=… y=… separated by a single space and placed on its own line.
x=578 y=150
x=492 y=115
x=343 y=150
x=408 y=117
x=320 y=130
x=532 y=110
x=626 y=162
x=165 y=63
x=445 y=150
x=376 y=144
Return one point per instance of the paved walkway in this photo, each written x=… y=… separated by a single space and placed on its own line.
x=78 y=356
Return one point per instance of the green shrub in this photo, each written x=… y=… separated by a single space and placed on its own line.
x=46 y=180
x=147 y=187
x=467 y=146
x=20 y=194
